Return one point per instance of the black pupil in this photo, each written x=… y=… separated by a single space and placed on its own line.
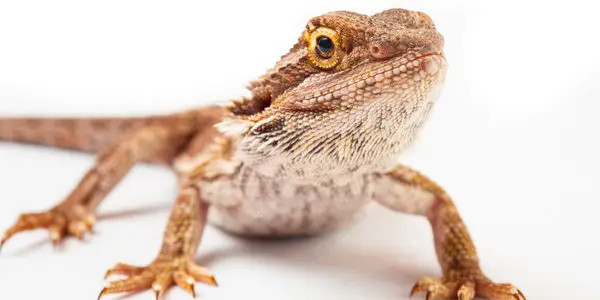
x=325 y=44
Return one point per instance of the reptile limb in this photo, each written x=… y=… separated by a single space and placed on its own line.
x=174 y=263
x=75 y=215
x=405 y=190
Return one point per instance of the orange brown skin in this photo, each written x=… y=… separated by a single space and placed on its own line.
x=462 y=276
x=372 y=92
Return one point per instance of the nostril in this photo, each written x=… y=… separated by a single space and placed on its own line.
x=375 y=49
x=380 y=50
x=384 y=49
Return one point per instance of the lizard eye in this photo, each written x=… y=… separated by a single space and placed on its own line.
x=324 y=47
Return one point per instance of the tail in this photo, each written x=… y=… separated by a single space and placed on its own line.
x=89 y=134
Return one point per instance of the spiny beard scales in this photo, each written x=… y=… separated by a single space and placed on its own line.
x=362 y=139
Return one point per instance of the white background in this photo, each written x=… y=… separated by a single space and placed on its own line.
x=513 y=139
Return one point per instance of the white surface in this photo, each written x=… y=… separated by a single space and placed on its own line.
x=513 y=138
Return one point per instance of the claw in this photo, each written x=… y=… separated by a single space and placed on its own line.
x=429 y=296
x=193 y=291
x=161 y=283
x=201 y=274
x=213 y=281
x=89 y=221
x=3 y=241
x=185 y=281
x=414 y=290
x=102 y=292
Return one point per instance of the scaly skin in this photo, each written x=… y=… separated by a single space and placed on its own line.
x=316 y=140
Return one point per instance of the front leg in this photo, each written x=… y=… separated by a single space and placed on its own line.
x=174 y=264
x=408 y=191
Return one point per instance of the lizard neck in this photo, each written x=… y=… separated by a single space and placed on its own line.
x=310 y=173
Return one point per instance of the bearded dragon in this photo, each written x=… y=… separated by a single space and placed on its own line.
x=316 y=141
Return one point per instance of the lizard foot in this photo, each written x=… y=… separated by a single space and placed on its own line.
x=467 y=289
x=62 y=220
x=159 y=276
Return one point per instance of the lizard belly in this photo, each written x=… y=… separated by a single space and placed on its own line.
x=250 y=204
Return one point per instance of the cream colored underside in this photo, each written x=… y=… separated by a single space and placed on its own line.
x=271 y=207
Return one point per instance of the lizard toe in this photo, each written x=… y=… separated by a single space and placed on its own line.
x=163 y=273
x=60 y=221
x=467 y=289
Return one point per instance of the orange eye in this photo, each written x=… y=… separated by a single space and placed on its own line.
x=324 y=48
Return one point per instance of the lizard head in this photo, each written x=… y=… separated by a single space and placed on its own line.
x=348 y=97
